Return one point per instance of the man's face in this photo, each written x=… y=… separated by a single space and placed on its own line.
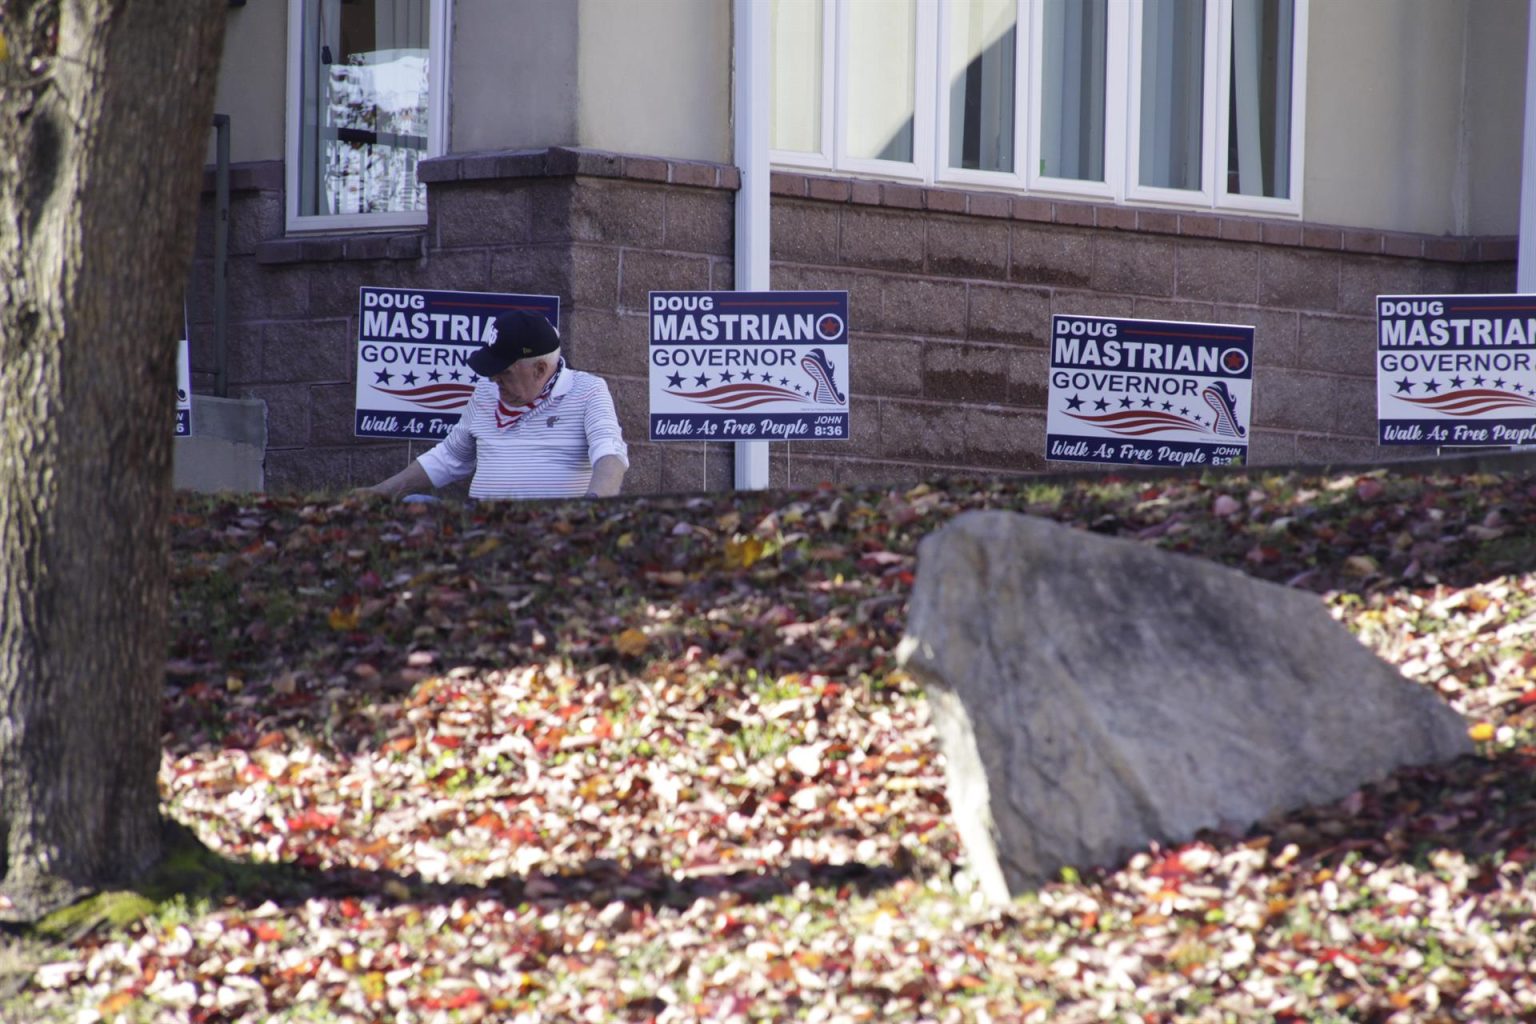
x=521 y=382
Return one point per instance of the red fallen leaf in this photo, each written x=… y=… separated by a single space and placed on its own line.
x=270 y=739
x=1170 y=867
x=518 y=834
x=349 y=908
x=311 y=821
x=451 y=742
x=399 y=745
x=604 y=728
x=489 y=820
x=267 y=932
x=459 y=1000
x=1527 y=698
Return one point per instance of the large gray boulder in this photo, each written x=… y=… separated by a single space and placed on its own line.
x=1092 y=695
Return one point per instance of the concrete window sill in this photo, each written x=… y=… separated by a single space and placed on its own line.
x=411 y=245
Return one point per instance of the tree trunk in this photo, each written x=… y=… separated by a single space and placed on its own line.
x=105 y=113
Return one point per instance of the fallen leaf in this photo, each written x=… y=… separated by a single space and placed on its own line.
x=631 y=643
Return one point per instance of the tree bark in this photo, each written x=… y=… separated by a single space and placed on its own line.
x=105 y=113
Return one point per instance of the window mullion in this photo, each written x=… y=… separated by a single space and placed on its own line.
x=926 y=69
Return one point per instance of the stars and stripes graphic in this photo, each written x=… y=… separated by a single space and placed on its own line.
x=1139 y=422
x=1470 y=401
x=737 y=397
x=441 y=397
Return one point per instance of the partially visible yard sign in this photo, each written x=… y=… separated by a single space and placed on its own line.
x=412 y=350
x=1456 y=369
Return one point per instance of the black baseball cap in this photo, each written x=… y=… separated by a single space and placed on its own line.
x=519 y=335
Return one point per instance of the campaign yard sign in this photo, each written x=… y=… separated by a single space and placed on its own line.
x=1148 y=392
x=413 y=378
x=183 y=390
x=749 y=366
x=1456 y=369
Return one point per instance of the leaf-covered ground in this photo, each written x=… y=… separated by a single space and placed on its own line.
x=651 y=759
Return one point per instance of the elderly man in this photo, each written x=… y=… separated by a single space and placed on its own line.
x=533 y=428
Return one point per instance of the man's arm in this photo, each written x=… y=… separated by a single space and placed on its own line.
x=607 y=477
x=411 y=479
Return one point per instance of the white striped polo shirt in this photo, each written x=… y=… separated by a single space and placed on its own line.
x=547 y=453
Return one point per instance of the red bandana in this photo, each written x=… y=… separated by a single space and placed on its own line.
x=507 y=415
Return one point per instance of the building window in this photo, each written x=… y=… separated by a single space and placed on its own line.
x=982 y=49
x=882 y=95
x=799 y=40
x=1172 y=94
x=1074 y=49
x=365 y=106
x=1193 y=103
x=1259 y=101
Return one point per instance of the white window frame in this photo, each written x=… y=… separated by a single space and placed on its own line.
x=1134 y=191
x=1122 y=108
x=1237 y=201
x=438 y=24
x=834 y=153
x=943 y=172
x=821 y=159
x=1116 y=44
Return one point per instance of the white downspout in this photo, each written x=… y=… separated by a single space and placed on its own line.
x=1525 y=272
x=749 y=107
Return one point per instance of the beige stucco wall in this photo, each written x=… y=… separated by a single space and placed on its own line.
x=635 y=76
x=1495 y=114
x=656 y=77
x=253 y=81
x=513 y=74
x=1412 y=105
x=1413 y=120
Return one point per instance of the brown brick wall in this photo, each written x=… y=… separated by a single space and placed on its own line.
x=950 y=298
x=951 y=295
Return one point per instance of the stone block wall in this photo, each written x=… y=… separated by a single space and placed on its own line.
x=951 y=294
x=599 y=230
